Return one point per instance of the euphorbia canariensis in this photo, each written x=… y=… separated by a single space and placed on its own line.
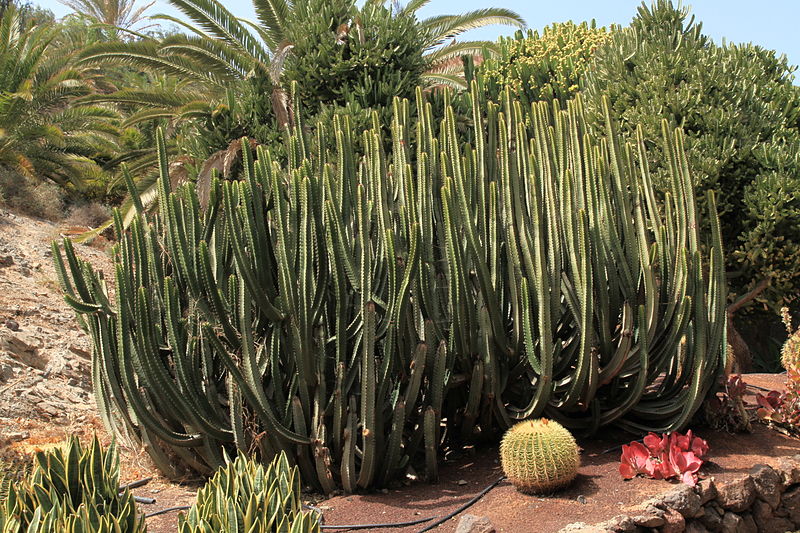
x=666 y=456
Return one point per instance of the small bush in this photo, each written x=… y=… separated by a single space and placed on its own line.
x=91 y=214
x=42 y=200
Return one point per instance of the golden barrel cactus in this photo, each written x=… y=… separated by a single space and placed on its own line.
x=539 y=456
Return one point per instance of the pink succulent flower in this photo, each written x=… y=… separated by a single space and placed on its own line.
x=634 y=460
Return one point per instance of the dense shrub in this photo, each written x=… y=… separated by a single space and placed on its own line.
x=342 y=53
x=739 y=109
x=544 y=67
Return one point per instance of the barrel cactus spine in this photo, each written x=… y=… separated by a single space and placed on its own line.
x=539 y=456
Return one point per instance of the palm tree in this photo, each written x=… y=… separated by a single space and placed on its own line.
x=42 y=135
x=123 y=14
x=220 y=49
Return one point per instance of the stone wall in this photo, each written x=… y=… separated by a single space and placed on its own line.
x=766 y=500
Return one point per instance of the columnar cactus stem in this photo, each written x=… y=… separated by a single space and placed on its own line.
x=359 y=311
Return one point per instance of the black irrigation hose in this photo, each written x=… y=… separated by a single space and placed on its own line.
x=136 y=484
x=436 y=524
x=167 y=510
x=757 y=387
x=477 y=497
x=380 y=526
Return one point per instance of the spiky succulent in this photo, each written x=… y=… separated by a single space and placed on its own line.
x=362 y=312
x=246 y=496
x=71 y=489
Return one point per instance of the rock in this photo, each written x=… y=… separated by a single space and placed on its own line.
x=769 y=484
x=682 y=499
x=749 y=524
x=738 y=495
x=470 y=523
x=49 y=409
x=17 y=436
x=12 y=324
x=791 y=502
x=790 y=471
x=619 y=523
x=673 y=522
x=649 y=520
x=707 y=490
x=6 y=372
x=696 y=527
x=762 y=511
x=733 y=523
x=6 y=260
x=23 y=347
x=77 y=350
x=767 y=521
x=712 y=518
x=581 y=527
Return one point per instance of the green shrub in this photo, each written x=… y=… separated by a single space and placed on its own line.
x=365 y=312
x=245 y=496
x=342 y=53
x=74 y=489
x=543 y=67
x=738 y=109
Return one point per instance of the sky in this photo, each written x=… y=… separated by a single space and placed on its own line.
x=772 y=24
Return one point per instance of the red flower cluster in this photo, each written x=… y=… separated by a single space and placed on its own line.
x=665 y=457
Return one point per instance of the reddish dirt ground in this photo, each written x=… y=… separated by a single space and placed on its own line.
x=597 y=495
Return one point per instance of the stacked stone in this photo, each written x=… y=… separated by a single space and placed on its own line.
x=766 y=500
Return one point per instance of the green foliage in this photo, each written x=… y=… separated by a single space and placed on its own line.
x=539 y=456
x=46 y=135
x=544 y=67
x=117 y=14
x=738 y=108
x=245 y=496
x=74 y=489
x=344 y=309
x=342 y=53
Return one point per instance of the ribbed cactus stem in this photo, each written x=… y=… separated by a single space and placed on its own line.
x=539 y=456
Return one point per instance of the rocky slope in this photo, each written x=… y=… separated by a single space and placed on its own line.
x=45 y=358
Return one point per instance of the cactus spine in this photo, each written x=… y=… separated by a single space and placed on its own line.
x=352 y=303
x=539 y=456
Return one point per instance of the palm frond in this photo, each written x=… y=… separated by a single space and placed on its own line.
x=413 y=6
x=444 y=27
x=274 y=16
x=459 y=49
x=145 y=55
x=434 y=79
x=214 y=18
